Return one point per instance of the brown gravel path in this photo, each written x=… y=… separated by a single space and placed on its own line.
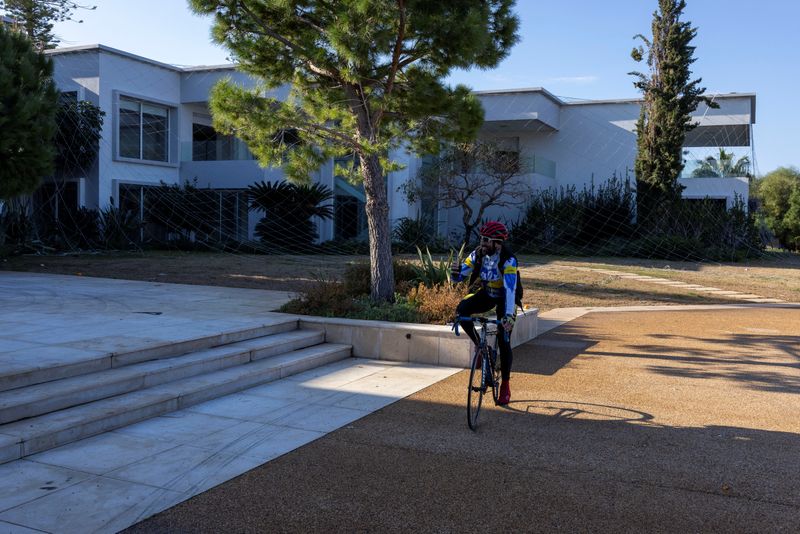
x=620 y=422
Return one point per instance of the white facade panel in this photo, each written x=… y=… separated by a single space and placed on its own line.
x=580 y=143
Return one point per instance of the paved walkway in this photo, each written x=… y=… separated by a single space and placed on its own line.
x=608 y=423
x=667 y=421
x=734 y=295
x=110 y=481
x=71 y=318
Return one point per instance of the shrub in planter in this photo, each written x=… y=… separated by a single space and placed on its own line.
x=327 y=298
x=437 y=304
x=401 y=311
x=356 y=277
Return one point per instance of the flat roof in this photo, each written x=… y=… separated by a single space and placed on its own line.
x=564 y=101
x=122 y=53
x=541 y=90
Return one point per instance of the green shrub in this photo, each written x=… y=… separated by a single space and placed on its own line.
x=356 y=277
x=401 y=311
x=324 y=297
x=76 y=229
x=288 y=209
x=432 y=273
x=16 y=224
x=118 y=228
x=778 y=195
x=409 y=234
x=599 y=222
x=569 y=218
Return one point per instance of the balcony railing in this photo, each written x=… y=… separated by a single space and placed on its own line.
x=543 y=166
x=225 y=149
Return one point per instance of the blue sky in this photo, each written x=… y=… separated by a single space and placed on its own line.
x=574 y=48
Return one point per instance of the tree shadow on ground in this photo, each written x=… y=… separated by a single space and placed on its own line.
x=540 y=465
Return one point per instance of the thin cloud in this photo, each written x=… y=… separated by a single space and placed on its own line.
x=578 y=80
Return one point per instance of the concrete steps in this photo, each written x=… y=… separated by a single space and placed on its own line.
x=38 y=372
x=48 y=397
x=42 y=416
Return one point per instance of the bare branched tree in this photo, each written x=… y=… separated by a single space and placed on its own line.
x=473 y=177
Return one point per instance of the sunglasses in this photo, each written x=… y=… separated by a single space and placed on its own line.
x=485 y=239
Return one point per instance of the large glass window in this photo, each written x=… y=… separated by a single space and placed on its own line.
x=209 y=145
x=143 y=130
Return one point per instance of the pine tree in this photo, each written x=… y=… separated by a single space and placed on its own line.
x=36 y=18
x=28 y=102
x=670 y=96
x=366 y=78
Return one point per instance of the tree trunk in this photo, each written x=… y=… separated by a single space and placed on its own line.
x=380 y=235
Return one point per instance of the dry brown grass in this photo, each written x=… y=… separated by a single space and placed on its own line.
x=437 y=304
x=550 y=282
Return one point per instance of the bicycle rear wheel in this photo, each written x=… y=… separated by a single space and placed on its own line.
x=477 y=387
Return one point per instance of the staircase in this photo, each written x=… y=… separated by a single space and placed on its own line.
x=43 y=407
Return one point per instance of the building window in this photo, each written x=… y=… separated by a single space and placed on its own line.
x=209 y=145
x=507 y=153
x=66 y=98
x=143 y=130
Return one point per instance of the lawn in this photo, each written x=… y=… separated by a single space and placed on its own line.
x=550 y=282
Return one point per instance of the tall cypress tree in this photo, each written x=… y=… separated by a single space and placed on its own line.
x=670 y=96
x=28 y=102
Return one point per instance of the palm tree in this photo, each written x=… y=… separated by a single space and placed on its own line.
x=288 y=209
x=722 y=166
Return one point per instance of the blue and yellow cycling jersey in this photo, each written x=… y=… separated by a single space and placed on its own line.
x=497 y=280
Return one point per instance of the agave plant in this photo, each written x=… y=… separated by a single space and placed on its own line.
x=432 y=273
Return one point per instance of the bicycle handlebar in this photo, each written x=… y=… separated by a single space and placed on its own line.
x=482 y=321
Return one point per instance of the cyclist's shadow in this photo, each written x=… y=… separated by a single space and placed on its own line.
x=564 y=409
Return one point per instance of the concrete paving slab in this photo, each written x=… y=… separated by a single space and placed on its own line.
x=263 y=443
x=293 y=391
x=103 y=453
x=9 y=528
x=26 y=481
x=95 y=505
x=244 y=407
x=179 y=427
x=57 y=317
x=181 y=468
x=320 y=418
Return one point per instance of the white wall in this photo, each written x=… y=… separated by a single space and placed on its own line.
x=121 y=75
x=719 y=188
x=587 y=141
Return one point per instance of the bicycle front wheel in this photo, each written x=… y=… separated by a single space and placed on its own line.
x=476 y=390
x=496 y=376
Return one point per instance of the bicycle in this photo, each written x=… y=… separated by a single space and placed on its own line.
x=485 y=369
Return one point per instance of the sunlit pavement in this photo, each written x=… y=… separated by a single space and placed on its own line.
x=678 y=421
x=648 y=420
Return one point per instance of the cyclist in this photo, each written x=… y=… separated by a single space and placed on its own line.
x=496 y=265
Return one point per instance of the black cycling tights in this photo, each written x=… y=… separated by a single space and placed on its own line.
x=481 y=302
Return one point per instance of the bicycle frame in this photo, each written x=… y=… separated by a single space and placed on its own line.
x=488 y=368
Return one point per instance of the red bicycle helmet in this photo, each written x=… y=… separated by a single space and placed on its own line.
x=494 y=230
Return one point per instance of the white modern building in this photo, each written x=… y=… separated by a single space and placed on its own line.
x=158 y=128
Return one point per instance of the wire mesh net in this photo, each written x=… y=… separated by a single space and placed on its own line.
x=157 y=175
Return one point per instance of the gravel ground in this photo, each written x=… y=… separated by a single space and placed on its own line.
x=681 y=421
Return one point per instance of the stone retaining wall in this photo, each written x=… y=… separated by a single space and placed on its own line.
x=408 y=342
